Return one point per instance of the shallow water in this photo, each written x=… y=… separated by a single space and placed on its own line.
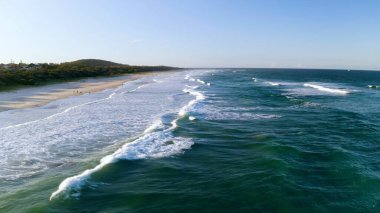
x=266 y=140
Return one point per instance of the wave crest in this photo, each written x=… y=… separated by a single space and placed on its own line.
x=326 y=89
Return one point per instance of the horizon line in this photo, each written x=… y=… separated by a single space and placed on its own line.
x=206 y=67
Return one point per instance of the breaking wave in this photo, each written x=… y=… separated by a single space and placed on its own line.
x=326 y=89
x=151 y=144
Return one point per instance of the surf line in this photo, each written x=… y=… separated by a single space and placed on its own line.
x=71 y=108
x=150 y=144
x=189 y=78
x=325 y=89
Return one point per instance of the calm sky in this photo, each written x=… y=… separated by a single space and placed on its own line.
x=194 y=33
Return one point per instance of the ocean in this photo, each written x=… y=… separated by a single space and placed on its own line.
x=206 y=140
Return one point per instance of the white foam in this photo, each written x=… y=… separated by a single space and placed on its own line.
x=157 y=81
x=150 y=145
x=266 y=116
x=154 y=126
x=192 y=87
x=198 y=97
x=234 y=113
x=239 y=116
x=74 y=183
x=72 y=108
x=254 y=79
x=325 y=89
x=63 y=112
x=200 y=81
x=191 y=118
x=311 y=104
x=134 y=90
x=273 y=83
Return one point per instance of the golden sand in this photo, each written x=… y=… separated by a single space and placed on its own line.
x=83 y=88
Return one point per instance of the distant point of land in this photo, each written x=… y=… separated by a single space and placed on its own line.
x=94 y=62
x=15 y=75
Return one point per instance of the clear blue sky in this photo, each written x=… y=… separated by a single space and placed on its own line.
x=194 y=33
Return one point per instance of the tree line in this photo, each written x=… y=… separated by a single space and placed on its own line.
x=44 y=73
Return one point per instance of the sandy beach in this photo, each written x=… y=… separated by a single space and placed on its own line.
x=39 y=96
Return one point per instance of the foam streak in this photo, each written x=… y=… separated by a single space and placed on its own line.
x=325 y=89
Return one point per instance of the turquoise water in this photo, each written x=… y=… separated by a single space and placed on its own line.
x=227 y=140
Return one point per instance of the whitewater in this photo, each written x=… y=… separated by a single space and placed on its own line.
x=151 y=144
x=64 y=131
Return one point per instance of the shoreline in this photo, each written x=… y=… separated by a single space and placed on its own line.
x=48 y=93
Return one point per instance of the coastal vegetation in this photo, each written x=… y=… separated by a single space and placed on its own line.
x=14 y=75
